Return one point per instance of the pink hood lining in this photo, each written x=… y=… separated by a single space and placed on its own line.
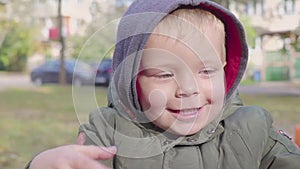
x=233 y=46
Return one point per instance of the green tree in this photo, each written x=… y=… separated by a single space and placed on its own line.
x=250 y=32
x=17 y=33
x=224 y=3
x=17 y=45
x=99 y=40
x=295 y=43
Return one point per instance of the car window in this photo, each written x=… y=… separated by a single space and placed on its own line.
x=80 y=66
x=83 y=66
x=69 y=65
x=105 y=64
x=52 y=65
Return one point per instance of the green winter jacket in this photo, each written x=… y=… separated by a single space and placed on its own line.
x=242 y=137
x=245 y=139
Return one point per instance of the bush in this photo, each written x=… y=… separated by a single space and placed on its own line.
x=17 y=45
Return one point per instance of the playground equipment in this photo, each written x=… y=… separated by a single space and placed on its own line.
x=297 y=135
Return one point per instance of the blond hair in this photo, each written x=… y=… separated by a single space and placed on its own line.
x=184 y=22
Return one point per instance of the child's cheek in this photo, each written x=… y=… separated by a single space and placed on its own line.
x=218 y=89
x=156 y=103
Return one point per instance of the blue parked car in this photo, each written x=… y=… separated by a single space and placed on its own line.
x=48 y=72
x=103 y=72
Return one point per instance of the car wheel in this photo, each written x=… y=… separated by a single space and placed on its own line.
x=77 y=82
x=107 y=82
x=38 y=81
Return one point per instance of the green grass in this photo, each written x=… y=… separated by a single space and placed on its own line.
x=38 y=118
x=32 y=120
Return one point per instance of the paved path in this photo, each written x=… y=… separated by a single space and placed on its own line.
x=9 y=80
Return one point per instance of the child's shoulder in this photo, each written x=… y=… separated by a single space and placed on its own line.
x=249 y=131
x=248 y=124
x=107 y=119
x=103 y=123
x=105 y=116
x=250 y=115
x=246 y=129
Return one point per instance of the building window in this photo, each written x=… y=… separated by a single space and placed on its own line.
x=289 y=6
x=79 y=23
x=254 y=7
x=260 y=7
x=120 y=3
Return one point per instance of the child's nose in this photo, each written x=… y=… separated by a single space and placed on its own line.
x=187 y=87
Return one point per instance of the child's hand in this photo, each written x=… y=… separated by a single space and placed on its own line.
x=73 y=157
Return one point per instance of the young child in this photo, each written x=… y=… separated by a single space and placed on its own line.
x=173 y=101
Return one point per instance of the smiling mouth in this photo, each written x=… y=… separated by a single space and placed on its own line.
x=186 y=112
x=186 y=115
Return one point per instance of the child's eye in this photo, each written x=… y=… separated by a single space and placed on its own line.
x=163 y=75
x=157 y=73
x=207 y=71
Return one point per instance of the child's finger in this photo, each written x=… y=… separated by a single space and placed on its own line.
x=87 y=163
x=96 y=152
x=80 y=138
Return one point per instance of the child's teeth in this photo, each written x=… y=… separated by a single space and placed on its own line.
x=189 y=111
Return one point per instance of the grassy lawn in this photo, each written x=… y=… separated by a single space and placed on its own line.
x=38 y=118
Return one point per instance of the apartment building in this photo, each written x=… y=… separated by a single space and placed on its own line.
x=277 y=23
x=77 y=14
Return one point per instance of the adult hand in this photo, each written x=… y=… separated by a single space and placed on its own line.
x=73 y=157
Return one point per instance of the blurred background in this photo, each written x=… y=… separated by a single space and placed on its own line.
x=47 y=45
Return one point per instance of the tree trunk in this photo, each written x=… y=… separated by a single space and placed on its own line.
x=62 y=73
x=3 y=36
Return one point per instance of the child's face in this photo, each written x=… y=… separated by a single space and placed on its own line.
x=181 y=86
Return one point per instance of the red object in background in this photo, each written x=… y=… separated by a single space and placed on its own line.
x=297 y=135
x=53 y=33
